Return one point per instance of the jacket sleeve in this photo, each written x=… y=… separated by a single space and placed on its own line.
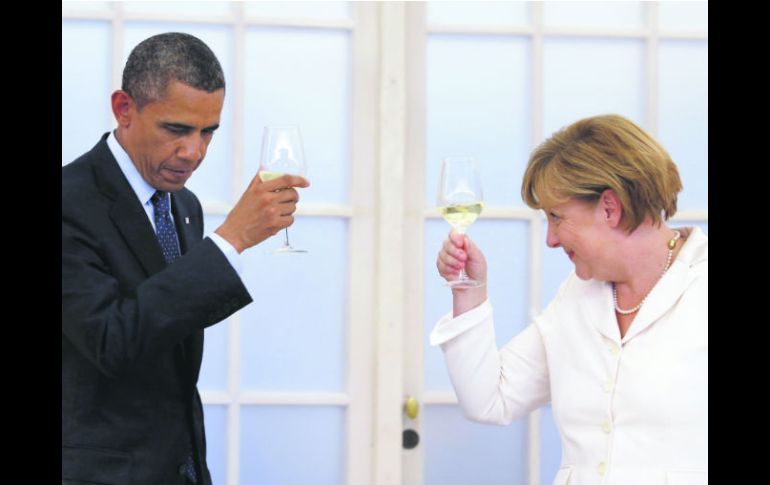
x=117 y=326
x=493 y=386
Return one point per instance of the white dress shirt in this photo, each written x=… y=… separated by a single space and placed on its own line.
x=631 y=410
x=145 y=191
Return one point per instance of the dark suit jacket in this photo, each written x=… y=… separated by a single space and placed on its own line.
x=132 y=329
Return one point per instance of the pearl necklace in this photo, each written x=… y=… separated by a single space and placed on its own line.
x=671 y=246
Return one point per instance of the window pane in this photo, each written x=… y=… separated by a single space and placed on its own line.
x=213 y=374
x=479 y=104
x=555 y=269
x=550 y=446
x=586 y=77
x=505 y=245
x=212 y=180
x=185 y=8
x=215 y=421
x=73 y=6
x=683 y=108
x=479 y=13
x=320 y=10
x=604 y=15
x=683 y=15
x=293 y=335
x=302 y=77
x=292 y=445
x=85 y=86
x=460 y=452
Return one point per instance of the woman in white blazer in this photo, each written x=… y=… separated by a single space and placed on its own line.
x=622 y=350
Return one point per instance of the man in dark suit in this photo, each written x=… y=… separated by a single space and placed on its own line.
x=139 y=281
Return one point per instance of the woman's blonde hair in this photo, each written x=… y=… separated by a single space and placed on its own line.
x=604 y=152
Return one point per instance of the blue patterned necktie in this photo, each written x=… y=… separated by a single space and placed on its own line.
x=164 y=227
x=169 y=244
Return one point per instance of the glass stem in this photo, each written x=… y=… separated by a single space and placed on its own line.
x=286 y=237
x=464 y=275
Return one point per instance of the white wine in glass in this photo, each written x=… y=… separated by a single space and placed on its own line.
x=460 y=201
x=282 y=154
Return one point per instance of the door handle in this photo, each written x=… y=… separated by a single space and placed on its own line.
x=412 y=407
x=410 y=439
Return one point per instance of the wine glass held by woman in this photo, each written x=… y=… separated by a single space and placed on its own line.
x=621 y=352
x=460 y=200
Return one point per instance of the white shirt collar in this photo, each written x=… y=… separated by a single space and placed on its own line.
x=142 y=189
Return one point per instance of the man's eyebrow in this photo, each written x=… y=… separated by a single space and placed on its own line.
x=182 y=126
x=171 y=124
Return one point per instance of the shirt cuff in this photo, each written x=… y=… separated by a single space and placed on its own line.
x=448 y=328
x=229 y=251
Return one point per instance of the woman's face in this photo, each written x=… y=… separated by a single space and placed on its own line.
x=580 y=228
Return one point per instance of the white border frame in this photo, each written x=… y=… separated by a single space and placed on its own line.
x=385 y=327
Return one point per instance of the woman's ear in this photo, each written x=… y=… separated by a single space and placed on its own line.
x=612 y=210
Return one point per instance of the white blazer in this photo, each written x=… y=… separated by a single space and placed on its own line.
x=630 y=411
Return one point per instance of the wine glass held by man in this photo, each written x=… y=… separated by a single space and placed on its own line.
x=624 y=343
x=282 y=153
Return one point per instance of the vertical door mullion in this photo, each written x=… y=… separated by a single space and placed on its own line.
x=390 y=245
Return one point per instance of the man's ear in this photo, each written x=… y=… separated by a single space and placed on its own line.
x=123 y=107
x=612 y=210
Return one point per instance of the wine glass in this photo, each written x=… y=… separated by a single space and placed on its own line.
x=460 y=201
x=282 y=154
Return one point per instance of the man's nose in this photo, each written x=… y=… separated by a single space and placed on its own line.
x=193 y=148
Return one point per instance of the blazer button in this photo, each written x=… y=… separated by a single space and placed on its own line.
x=602 y=468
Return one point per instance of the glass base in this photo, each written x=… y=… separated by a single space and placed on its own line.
x=461 y=284
x=289 y=249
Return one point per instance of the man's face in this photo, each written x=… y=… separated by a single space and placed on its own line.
x=167 y=139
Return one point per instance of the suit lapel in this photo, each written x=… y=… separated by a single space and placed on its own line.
x=187 y=227
x=131 y=221
x=126 y=212
x=189 y=231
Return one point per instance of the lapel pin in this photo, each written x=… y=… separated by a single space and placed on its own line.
x=186 y=220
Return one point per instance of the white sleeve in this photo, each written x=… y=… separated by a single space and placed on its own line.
x=493 y=386
x=229 y=251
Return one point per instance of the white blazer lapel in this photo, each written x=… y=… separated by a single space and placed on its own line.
x=673 y=284
x=596 y=303
x=661 y=299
